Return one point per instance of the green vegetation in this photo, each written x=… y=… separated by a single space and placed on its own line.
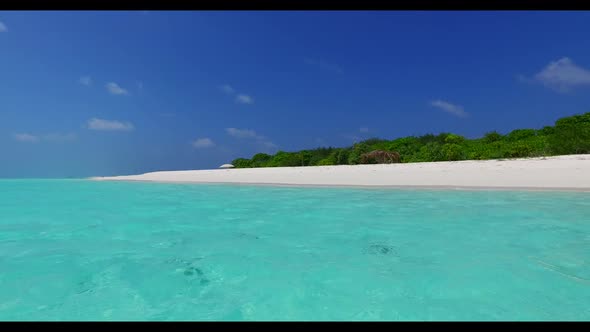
x=569 y=135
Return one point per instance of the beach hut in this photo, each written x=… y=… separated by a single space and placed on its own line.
x=227 y=166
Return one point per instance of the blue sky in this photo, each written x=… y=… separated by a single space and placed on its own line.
x=102 y=93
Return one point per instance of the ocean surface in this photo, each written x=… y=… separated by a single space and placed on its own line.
x=83 y=250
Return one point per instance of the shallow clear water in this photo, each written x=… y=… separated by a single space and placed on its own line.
x=82 y=250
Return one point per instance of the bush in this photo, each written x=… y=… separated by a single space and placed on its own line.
x=284 y=159
x=492 y=136
x=518 y=150
x=305 y=157
x=242 y=163
x=454 y=139
x=429 y=152
x=357 y=150
x=380 y=157
x=425 y=139
x=571 y=135
x=406 y=147
x=326 y=162
x=341 y=156
x=546 y=131
x=319 y=154
x=440 y=138
x=452 y=152
x=260 y=159
x=519 y=134
x=475 y=155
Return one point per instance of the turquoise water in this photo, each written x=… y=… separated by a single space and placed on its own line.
x=82 y=250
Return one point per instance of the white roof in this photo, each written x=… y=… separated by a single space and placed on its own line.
x=227 y=166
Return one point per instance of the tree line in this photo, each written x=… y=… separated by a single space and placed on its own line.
x=569 y=135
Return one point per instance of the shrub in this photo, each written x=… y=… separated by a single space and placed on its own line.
x=571 y=135
x=519 y=134
x=452 y=152
x=326 y=162
x=454 y=139
x=357 y=150
x=425 y=139
x=380 y=157
x=518 y=150
x=260 y=159
x=430 y=152
x=546 y=131
x=242 y=163
x=284 y=159
x=342 y=156
x=492 y=136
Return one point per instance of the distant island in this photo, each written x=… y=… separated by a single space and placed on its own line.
x=446 y=160
x=569 y=135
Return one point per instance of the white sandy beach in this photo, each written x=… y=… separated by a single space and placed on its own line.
x=570 y=172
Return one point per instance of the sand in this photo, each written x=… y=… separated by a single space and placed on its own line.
x=571 y=172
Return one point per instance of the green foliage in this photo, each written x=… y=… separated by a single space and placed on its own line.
x=520 y=134
x=320 y=154
x=341 y=156
x=454 y=139
x=440 y=138
x=354 y=157
x=452 y=151
x=305 y=157
x=260 y=160
x=242 y=163
x=425 y=139
x=406 y=147
x=569 y=135
x=326 y=162
x=546 y=131
x=518 y=150
x=492 y=136
x=284 y=159
x=432 y=151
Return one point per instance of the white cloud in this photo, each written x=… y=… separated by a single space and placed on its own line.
x=227 y=89
x=112 y=125
x=85 y=80
x=241 y=98
x=3 y=27
x=115 y=89
x=24 y=137
x=203 y=143
x=53 y=137
x=241 y=133
x=364 y=129
x=563 y=75
x=244 y=99
x=323 y=65
x=449 y=108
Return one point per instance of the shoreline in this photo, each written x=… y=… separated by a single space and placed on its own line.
x=559 y=173
x=367 y=187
